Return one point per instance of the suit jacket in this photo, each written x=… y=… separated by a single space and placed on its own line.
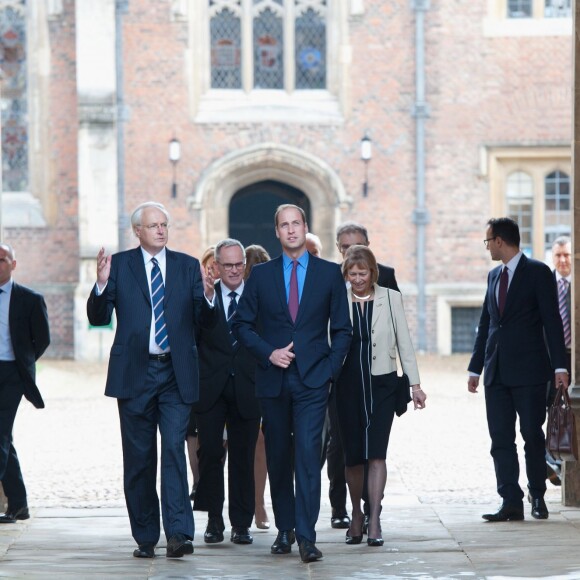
x=219 y=360
x=30 y=335
x=384 y=340
x=263 y=324
x=185 y=309
x=568 y=297
x=387 y=277
x=514 y=343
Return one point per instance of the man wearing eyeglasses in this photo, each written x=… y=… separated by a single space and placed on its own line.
x=227 y=397
x=158 y=297
x=519 y=347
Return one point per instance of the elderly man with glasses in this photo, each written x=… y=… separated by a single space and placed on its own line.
x=227 y=397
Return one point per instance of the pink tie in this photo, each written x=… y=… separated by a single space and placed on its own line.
x=293 y=296
x=503 y=289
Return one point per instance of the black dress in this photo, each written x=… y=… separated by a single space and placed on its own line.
x=364 y=403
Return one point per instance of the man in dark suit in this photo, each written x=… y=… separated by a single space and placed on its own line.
x=520 y=347
x=348 y=234
x=227 y=397
x=562 y=260
x=158 y=297
x=290 y=307
x=24 y=336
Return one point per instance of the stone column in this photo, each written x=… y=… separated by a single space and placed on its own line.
x=571 y=471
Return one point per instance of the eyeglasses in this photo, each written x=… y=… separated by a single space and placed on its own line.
x=487 y=240
x=229 y=267
x=152 y=227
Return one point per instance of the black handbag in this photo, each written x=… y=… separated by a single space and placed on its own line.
x=401 y=382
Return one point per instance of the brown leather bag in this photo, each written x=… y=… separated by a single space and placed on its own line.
x=561 y=439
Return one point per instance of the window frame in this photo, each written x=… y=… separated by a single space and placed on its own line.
x=247 y=104
x=538 y=163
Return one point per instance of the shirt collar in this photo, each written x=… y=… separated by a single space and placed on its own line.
x=226 y=291
x=7 y=287
x=147 y=257
x=513 y=263
x=302 y=260
x=560 y=277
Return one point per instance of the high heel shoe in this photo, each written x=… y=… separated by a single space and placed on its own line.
x=351 y=540
x=375 y=542
x=263 y=525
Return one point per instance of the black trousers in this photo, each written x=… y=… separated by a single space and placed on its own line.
x=10 y=474
x=242 y=437
x=503 y=404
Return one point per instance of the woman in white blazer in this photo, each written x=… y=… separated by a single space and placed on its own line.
x=365 y=394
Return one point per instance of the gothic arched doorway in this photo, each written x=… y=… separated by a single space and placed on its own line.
x=252 y=209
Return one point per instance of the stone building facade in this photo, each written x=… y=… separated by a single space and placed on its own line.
x=467 y=105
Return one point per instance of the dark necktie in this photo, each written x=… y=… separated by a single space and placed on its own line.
x=503 y=289
x=157 y=295
x=293 y=296
x=231 y=311
x=564 y=314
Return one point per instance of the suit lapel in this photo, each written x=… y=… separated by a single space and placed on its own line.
x=381 y=303
x=137 y=267
x=280 y=286
x=494 y=282
x=515 y=283
x=171 y=272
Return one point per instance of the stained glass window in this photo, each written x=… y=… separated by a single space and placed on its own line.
x=268 y=51
x=226 y=50
x=310 y=50
x=268 y=44
x=13 y=101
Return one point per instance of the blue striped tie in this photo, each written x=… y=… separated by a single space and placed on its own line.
x=157 y=295
x=231 y=311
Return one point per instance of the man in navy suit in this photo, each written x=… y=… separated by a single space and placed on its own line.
x=24 y=336
x=158 y=297
x=519 y=347
x=227 y=397
x=290 y=308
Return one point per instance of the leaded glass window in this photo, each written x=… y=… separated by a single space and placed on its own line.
x=14 y=105
x=268 y=44
x=226 y=50
x=519 y=8
x=520 y=204
x=558 y=9
x=557 y=214
x=310 y=50
x=268 y=49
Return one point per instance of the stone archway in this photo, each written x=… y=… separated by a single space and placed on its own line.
x=269 y=161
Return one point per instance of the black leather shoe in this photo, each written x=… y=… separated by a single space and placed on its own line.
x=241 y=535
x=339 y=520
x=178 y=546
x=214 y=533
x=11 y=515
x=505 y=513
x=283 y=542
x=144 y=551
x=539 y=508
x=308 y=551
x=375 y=542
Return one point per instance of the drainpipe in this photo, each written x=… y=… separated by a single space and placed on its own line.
x=420 y=214
x=121 y=7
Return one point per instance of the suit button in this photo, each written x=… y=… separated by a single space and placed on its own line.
x=374 y=344
x=232 y=373
x=374 y=357
x=372 y=331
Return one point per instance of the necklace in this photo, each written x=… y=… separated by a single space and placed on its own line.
x=362 y=297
